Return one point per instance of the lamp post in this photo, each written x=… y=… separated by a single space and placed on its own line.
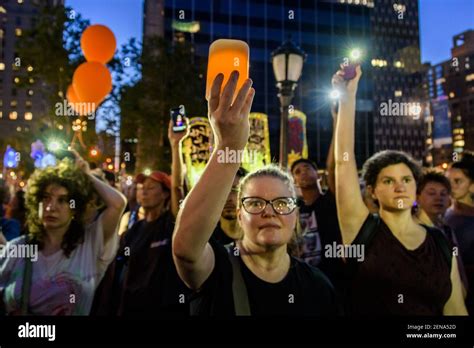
x=287 y=61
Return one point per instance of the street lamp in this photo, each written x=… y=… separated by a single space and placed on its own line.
x=287 y=61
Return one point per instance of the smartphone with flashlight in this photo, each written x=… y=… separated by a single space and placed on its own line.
x=178 y=118
x=354 y=61
x=225 y=56
x=349 y=71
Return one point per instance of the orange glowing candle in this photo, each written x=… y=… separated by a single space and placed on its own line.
x=226 y=56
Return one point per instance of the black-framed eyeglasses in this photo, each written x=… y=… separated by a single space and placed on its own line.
x=280 y=205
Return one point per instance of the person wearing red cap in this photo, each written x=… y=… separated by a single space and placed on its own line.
x=134 y=283
x=146 y=254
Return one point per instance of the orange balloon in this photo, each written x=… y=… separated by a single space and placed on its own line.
x=92 y=82
x=98 y=43
x=83 y=109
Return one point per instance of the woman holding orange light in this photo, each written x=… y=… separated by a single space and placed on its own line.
x=258 y=277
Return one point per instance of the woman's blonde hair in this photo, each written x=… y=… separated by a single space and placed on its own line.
x=273 y=171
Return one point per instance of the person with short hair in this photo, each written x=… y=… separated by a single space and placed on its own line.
x=433 y=199
x=150 y=285
x=460 y=216
x=408 y=268
x=227 y=230
x=318 y=218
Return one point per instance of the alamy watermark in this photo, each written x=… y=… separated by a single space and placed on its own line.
x=391 y=108
x=19 y=251
x=236 y=156
x=346 y=251
x=80 y=109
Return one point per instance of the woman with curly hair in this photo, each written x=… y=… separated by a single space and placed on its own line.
x=71 y=256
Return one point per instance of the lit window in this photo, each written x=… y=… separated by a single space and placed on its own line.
x=398 y=64
x=30 y=68
x=31 y=80
x=2 y=9
x=451 y=94
x=18 y=129
x=1 y=33
x=30 y=92
x=2 y=66
x=28 y=116
x=470 y=77
x=398 y=93
x=13 y=103
x=18 y=32
x=16 y=79
x=13 y=115
x=20 y=1
x=28 y=103
x=1 y=114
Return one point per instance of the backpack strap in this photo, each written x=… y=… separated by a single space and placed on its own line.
x=442 y=243
x=239 y=289
x=26 y=287
x=368 y=229
x=364 y=237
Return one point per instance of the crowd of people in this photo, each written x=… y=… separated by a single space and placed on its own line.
x=260 y=243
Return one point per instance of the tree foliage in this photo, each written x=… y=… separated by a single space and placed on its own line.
x=170 y=77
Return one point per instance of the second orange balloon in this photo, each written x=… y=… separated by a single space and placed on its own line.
x=92 y=82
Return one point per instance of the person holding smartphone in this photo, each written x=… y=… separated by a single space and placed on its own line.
x=273 y=282
x=72 y=256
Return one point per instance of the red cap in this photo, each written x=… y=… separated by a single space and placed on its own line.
x=157 y=176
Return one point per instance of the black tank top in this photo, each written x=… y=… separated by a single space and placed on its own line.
x=393 y=280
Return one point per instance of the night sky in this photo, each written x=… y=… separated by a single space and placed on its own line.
x=440 y=20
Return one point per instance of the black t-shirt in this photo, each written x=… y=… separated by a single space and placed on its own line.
x=221 y=236
x=152 y=286
x=305 y=291
x=321 y=229
x=393 y=280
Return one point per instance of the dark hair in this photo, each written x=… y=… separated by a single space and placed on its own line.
x=432 y=176
x=466 y=165
x=241 y=172
x=303 y=160
x=380 y=160
x=109 y=176
x=78 y=186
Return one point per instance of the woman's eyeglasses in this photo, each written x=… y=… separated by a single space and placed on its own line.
x=281 y=205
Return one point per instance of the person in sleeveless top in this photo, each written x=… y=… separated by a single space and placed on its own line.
x=460 y=216
x=275 y=283
x=404 y=270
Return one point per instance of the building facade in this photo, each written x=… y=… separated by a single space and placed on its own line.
x=450 y=88
x=326 y=30
x=20 y=105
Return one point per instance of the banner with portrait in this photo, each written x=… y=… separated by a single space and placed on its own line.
x=196 y=149
x=257 y=151
x=297 y=142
